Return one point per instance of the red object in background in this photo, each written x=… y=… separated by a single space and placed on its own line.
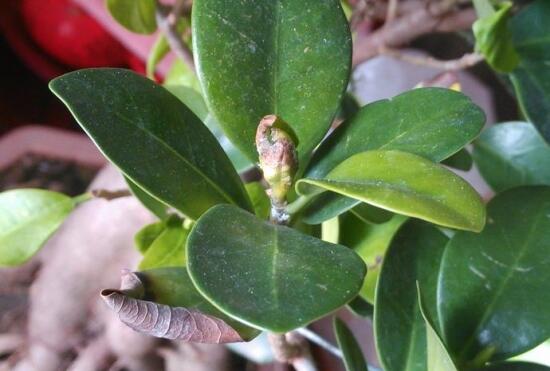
x=71 y=36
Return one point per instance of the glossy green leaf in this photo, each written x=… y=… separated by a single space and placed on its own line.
x=173 y=287
x=152 y=204
x=354 y=360
x=192 y=99
x=433 y=123
x=512 y=154
x=28 y=217
x=360 y=307
x=515 y=366
x=136 y=15
x=494 y=39
x=269 y=276
x=153 y=138
x=326 y=206
x=371 y=214
x=259 y=198
x=168 y=248
x=285 y=57
x=438 y=357
x=147 y=235
x=413 y=256
x=430 y=122
x=462 y=160
x=493 y=287
x=406 y=184
x=531 y=36
x=370 y=242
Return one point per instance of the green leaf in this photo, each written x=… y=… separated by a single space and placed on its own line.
x=173 y=287
x=181 y=75
x=430 y=122
x=354 y=360
x=406 y=184
x=159 y=50
x=370 y=214
x=153 y=138
x=515 y=366
x=268 y=276
x=260 y=200
x=493 y=287
x=462 y=160
x=484 y=8
x=28 y=217
x=360 y=307
x=147 y=235
x=531 y=36
x=136 y=15
x=289 y=58
x=512 y=154
x=433 y=123
x=494 y=39
x=413 y=256
x=168 y=248
x=192 y=99
x=326 y=206
x=370 y=242
x=438 y=356
x=152 y=204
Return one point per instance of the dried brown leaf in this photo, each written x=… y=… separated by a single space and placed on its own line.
x=159 y=320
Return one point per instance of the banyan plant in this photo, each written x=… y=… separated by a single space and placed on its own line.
x=362 y=216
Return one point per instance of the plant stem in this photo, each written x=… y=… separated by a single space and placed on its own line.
x=110 y=195
x=323 y=343
x=298 y=204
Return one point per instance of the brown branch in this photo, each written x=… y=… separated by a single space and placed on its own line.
x=110 y=195
x=293 y=349
x=167 y=23
x=436 y=16
x=467 y=60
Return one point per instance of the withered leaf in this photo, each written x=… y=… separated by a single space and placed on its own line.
x=162 y=320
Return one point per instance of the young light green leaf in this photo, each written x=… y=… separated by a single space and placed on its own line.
x=268 y=276
x=152 y=204
x=28 y=217
x=430 y=122
x=486 y=279
x=168 y=248
x=531 y=37
x=330 y=230
x=439 y=358
x=259 y=198
x=147 y=235
x=400 y=331
x=370 y=242
x=512 y=154
x=153 y=138
x=405 y=184
x=494 y=39
x=136 y=15
x=159 y=50
x=288 y=58
x=354 y=360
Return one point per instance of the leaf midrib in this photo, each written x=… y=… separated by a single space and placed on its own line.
x=178 y=155
x=511 y=269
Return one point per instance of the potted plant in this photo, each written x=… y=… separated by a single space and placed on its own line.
x=453 y=284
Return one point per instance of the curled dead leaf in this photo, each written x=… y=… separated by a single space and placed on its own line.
x=159 y=320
